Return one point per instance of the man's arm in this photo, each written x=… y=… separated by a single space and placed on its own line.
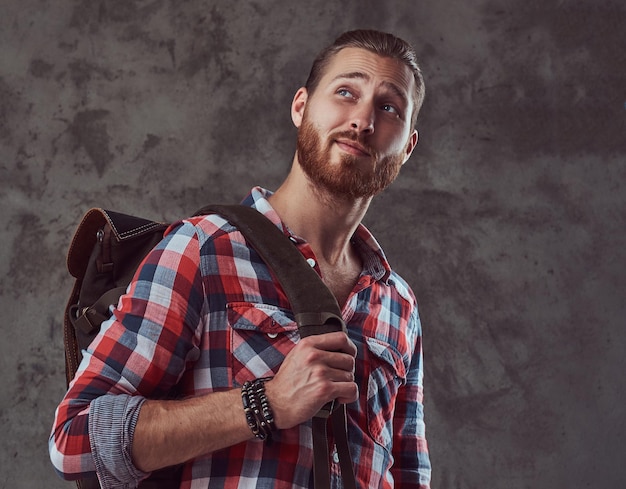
x=107 y=422
x=173 y=432
x=412 y=463
x=140 y=353
x=318 y=369
x=169 y=432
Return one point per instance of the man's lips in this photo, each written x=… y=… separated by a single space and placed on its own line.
x=352 y=147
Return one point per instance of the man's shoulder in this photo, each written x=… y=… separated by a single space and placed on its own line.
x=205 y=228
x=211 y=224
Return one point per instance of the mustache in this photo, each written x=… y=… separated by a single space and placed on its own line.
x=354 y=136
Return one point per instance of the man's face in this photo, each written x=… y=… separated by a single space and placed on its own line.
x=355 y=129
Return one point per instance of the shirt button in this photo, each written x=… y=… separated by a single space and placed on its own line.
x=336 y=457
x=272 y=335
x=293 y=239
x=311 y=262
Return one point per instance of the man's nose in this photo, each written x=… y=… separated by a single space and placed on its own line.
x=362 y=120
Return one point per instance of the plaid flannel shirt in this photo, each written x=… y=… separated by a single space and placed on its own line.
x=203 y=313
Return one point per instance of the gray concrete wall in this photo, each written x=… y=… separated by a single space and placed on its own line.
x=509 y=219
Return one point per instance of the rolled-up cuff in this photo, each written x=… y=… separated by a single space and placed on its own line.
x=112 y=422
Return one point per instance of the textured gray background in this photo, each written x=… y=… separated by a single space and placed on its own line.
x=509 y=219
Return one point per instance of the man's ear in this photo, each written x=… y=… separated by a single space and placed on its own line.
x=297 y=106
x=410 y=146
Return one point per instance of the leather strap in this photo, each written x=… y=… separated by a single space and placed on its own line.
x=339 y=419
x=316 y=312
x=89 y=320
x=311 y=301
x=321 y=461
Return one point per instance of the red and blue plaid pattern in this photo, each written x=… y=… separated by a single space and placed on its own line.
x=204 y=314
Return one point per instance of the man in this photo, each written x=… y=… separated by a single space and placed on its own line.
x=204 y=313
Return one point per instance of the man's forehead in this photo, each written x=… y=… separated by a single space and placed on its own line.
x=359 y=63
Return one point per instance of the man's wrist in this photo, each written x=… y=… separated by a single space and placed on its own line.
x=257 y=409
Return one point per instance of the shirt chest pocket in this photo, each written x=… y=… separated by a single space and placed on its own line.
x=260 y=337
x=387 y=373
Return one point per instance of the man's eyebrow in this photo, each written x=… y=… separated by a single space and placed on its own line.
x=364 y=76
x=351 y=75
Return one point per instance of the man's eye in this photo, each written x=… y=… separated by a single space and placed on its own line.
x=344 y=92
x=390 y=108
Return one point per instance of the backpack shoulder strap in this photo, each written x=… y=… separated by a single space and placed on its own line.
x=315 y=307
x=316 y=312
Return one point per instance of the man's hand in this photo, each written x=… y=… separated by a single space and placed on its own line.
x=319 y=369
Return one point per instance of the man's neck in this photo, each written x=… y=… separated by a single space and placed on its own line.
x=325 y=221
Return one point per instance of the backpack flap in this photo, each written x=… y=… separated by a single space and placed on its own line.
x=124 y=228
x=104 y=254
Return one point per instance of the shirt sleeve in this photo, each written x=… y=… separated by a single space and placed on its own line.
x=411 y=467
x=140 y=353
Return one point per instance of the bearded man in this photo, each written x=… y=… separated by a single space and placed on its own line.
x=186 y=317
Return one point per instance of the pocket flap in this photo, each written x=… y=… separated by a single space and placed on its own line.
x=389 y=355
x=260 y=317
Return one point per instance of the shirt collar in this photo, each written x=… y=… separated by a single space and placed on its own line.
x=258 y=199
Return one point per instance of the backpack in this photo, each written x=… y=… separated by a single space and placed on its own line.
x=104 y=254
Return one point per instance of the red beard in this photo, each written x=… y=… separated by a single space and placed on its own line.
x=347 y=179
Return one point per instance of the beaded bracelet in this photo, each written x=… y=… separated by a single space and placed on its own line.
x=256 y=407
